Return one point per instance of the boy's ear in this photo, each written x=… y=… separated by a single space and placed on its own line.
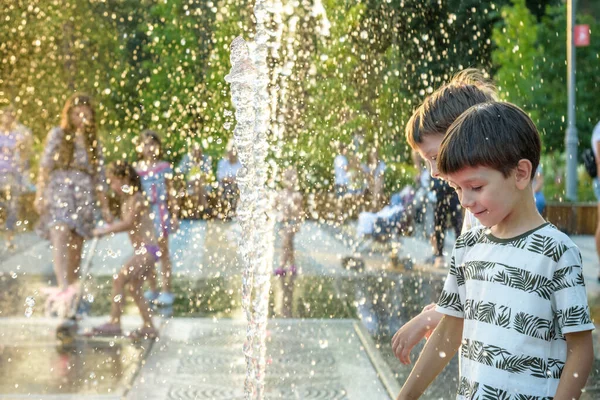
x=523 y=173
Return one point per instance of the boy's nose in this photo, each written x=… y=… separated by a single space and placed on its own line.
x=466 y=201
x=434 y=170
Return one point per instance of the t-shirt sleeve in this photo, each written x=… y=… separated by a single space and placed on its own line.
x=450 y=302
x=569 y=297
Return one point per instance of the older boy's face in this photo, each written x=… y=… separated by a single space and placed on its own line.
x=485 y=192
x=428 y=150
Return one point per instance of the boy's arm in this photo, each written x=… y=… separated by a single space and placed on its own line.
x=580 y=357
x=439 y=350
x=127 y=223
x=414 y=331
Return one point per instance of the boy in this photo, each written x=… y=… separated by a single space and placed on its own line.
x=514 y=297
x=424 y=132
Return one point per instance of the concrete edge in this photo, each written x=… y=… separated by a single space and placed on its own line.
x=382 y=369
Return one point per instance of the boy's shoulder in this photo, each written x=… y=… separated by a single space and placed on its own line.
x=470 y=237
x=546 y=239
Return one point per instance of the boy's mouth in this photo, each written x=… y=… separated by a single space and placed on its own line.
x=480 y=213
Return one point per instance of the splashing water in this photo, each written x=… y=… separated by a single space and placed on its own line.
x=249 y=79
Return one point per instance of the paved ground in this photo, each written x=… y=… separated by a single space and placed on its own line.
x=334 y=341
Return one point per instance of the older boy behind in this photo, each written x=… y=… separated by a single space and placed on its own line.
x=515 y=296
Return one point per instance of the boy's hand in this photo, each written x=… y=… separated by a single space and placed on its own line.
x=412 y=332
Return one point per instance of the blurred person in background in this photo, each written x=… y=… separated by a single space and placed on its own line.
x=71 y=183
x=15 y=144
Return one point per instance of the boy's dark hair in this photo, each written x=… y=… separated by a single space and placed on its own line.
x=442 y=107
x=496 y=135
x=125 y=171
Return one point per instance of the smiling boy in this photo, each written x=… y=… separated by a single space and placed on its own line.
x=514 y=300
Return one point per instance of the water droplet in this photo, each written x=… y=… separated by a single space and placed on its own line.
x=28 y=312
x=442 y=354
x=323 y=344
x=117 y=298
x=89 y=298
x=126 y=188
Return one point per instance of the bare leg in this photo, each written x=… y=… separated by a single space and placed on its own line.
x=60 y=237
x=152 y=281
x=118 y=296
x=135 y=288
x=287 y=248
x=165 y=264
x=287 y=294
x=133 y=273
x=74 y=257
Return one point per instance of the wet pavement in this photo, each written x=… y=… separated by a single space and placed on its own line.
x=326 y=301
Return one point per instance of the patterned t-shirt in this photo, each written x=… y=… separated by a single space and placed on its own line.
x=518 y=297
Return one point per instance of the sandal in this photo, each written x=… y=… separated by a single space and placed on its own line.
x=143 y=333
x=105 y=330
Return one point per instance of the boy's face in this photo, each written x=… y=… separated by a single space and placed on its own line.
x=428 y=150
x=486 y=193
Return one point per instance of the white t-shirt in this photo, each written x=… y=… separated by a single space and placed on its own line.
x=340 y=169
x=595 y=138
x=518 y=297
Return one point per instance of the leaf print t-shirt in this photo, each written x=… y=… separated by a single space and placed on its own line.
x=518 y=298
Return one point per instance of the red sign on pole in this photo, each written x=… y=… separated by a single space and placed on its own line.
x=582 y=35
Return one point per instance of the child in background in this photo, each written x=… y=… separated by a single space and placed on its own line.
x=157 y=176
x=424 y=133
x=15 y=145
x=514 y=300
x=135 y=220
x=289 y=207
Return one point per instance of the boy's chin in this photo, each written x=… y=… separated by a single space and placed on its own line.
x=485 y=220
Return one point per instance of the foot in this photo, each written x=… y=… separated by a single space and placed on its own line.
x=106 y=330
x=293 y=270
x=165 y=299
x=146 y=332
x=150 y=296
x=280 y=271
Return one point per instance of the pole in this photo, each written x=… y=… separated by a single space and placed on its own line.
x=571 y=137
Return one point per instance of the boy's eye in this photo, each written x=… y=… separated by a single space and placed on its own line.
x=476 y=188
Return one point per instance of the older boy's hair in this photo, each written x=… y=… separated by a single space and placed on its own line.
x=442 y=107
x=496 y=135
